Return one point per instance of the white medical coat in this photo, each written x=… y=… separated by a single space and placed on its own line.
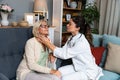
x=81 y=55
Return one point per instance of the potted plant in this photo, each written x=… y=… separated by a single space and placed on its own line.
x=90 y=13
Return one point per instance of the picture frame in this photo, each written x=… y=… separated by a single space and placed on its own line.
x=30 y=17
x=68 y=17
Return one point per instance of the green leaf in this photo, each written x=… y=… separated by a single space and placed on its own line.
x=90 y=13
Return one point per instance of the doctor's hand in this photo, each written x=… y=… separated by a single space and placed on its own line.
x=43 y=39
x=46 y=42
x=56 y=72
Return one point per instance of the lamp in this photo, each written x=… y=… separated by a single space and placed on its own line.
x=40 y=7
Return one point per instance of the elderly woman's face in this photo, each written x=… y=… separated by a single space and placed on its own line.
x=43 y=28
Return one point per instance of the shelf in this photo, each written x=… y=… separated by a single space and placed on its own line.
x=65 y=22
x=67 y=14
x=76 y=9
x=12 y=27
x=66 y=33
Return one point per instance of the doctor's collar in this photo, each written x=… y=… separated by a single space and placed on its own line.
x=76 y=36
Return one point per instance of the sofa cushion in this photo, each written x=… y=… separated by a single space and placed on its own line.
x=12 y=42
x=108 y=75
x=97 y=40
x=105 y=39
x=97 y=53
x=113 y=58
x=110 y=38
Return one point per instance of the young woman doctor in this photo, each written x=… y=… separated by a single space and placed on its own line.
x=77 y=48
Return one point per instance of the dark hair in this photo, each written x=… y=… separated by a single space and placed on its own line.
x=80 y=22
x=84 y=28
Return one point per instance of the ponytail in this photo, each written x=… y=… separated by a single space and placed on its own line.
x=88 y=34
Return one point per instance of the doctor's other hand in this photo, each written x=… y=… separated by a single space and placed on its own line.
x=46 y=41
x=56 y=72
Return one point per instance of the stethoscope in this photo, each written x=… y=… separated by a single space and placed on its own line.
x=69 y=41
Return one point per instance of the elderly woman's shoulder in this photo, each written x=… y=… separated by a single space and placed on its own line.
x=31 y=40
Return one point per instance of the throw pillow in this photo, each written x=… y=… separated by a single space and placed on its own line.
x=97 y=53
x=106 y=39
x=113 y=58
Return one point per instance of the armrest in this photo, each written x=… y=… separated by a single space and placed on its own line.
x=3 y=77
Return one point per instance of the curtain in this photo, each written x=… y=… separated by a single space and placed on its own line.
x=109 y=22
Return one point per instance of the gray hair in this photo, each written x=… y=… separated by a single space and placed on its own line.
x=36 y=27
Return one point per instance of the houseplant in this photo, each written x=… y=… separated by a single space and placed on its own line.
x=5 y=10
x=90 y=13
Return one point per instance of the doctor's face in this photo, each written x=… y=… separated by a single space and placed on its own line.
x=71 y=27
x=43 y=28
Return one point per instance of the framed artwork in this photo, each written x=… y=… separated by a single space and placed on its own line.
x=68 y=17
x=30 y=17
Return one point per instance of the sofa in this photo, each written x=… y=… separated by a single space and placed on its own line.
x=12 y=42
x=106 y=51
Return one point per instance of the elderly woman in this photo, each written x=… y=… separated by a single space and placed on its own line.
x=34 y=65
